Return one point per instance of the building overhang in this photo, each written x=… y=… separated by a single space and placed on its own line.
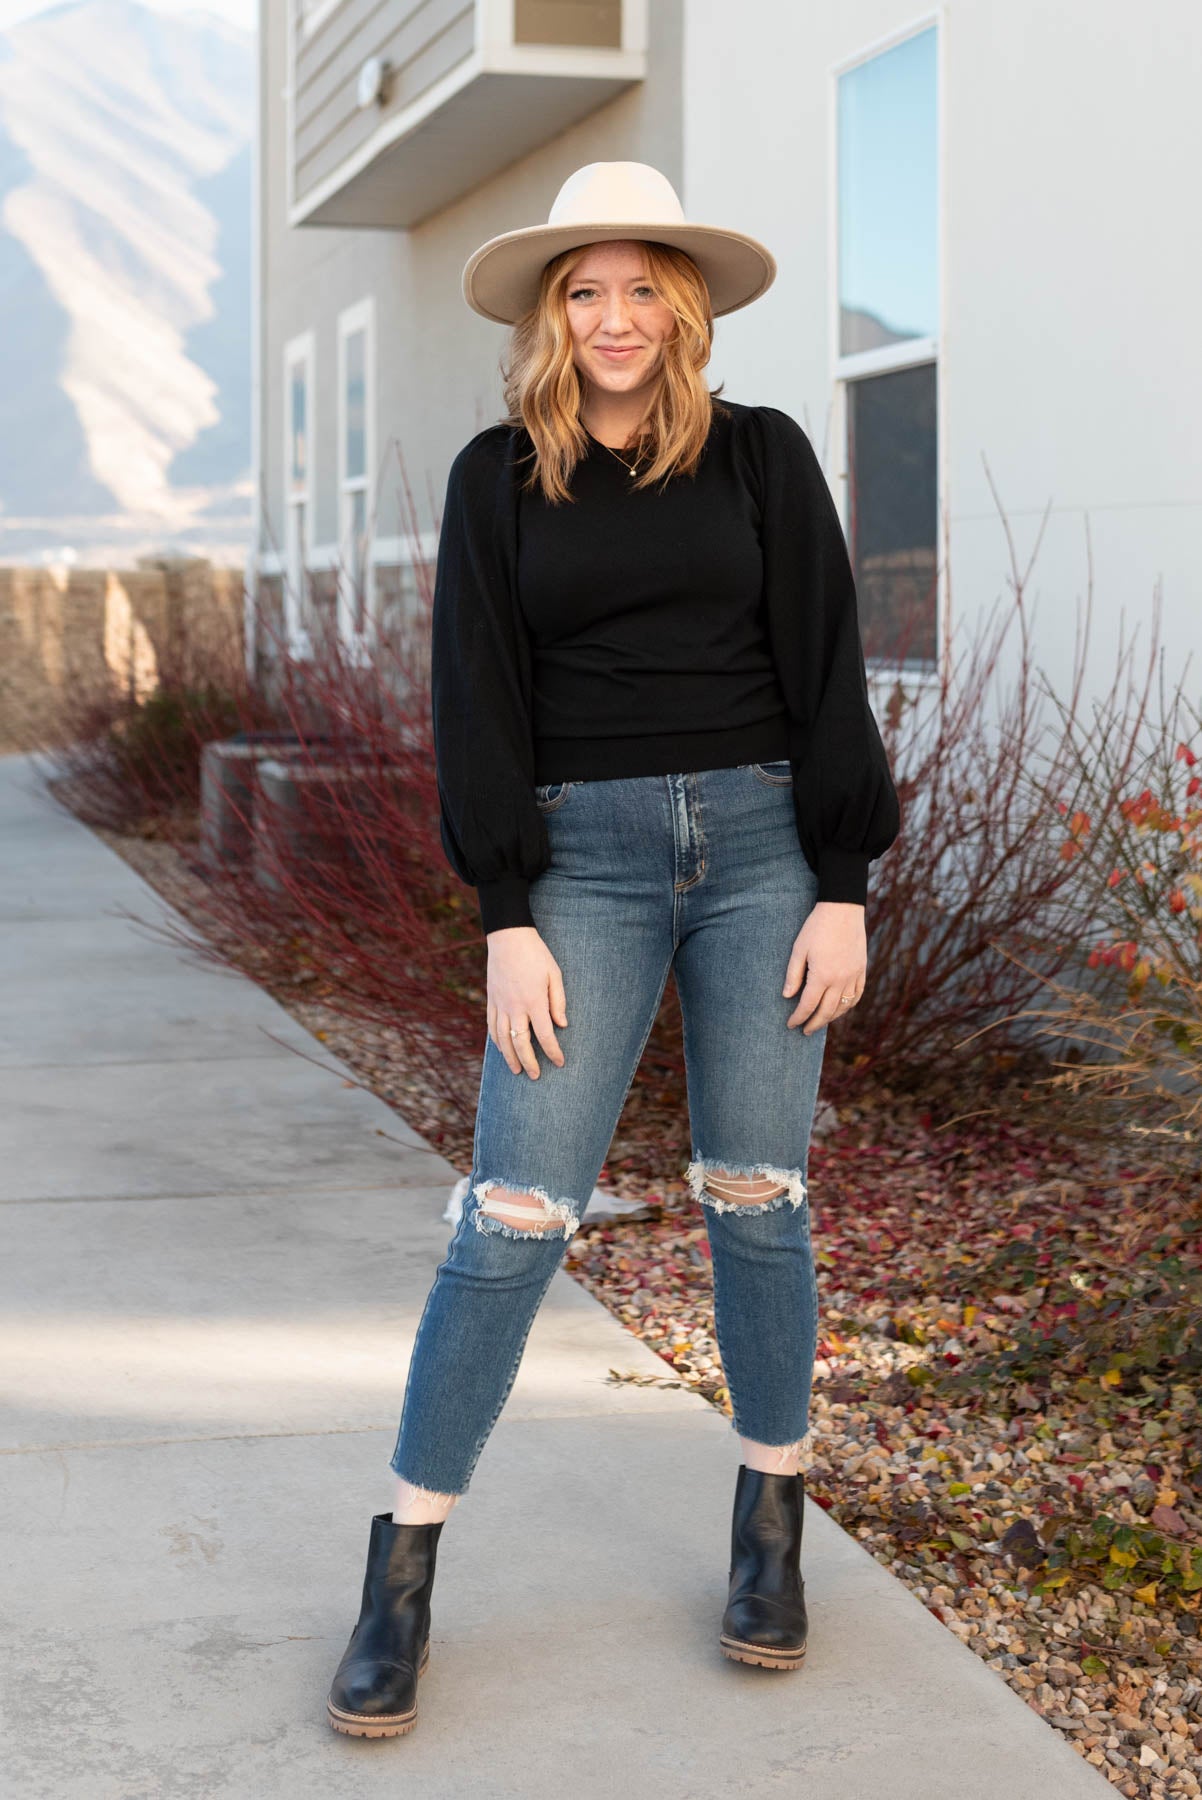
x=392 y=119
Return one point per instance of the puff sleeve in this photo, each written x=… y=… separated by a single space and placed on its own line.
x=493 y=834
x=845 y=801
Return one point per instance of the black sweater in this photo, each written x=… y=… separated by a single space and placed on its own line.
x=698 y=626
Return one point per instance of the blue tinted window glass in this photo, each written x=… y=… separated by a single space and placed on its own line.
x=893 y=511
x=297 y=434
x=888 y=226
x=356 y=396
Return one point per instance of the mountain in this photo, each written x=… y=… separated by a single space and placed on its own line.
x=125 y=258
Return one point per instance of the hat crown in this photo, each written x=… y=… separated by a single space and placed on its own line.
x=628 y=193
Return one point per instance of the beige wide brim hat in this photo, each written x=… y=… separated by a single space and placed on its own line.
x=605 y=200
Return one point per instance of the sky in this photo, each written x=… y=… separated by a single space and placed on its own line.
x=238 y=12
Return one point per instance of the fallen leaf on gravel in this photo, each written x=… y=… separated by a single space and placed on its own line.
x=1022 y=1545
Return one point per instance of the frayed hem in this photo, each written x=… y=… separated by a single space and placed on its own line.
x=802 y=1448
x=433 y=1495
x=563 y=1210
x=703 y=1167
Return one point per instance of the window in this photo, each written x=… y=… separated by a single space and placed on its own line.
x=568 y=22
x=298 y=484
x=887 y=212
x=356 y=459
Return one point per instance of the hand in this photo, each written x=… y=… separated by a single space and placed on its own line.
x=525 y=992
x=832 y=949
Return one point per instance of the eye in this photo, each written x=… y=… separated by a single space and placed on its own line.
x=577 y=293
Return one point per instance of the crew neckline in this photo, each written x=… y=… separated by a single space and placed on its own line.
x=603 y=446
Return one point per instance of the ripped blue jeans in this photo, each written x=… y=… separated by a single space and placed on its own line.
x=702 y=874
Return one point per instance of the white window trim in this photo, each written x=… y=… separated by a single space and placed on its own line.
x=844 y=369
x=301 y=349
x=360 y=316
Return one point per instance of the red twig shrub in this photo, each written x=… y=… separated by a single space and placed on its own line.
x=981 y=902
x=348 y=898
x=1133 y=853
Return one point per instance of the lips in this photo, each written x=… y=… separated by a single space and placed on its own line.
x=604 y=350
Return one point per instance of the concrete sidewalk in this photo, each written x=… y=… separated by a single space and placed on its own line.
x=213 y=1261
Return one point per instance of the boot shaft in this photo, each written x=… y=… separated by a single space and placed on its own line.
x=768 y=1509
x=400 y=1566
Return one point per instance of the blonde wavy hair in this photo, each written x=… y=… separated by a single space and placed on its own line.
x=544 y=388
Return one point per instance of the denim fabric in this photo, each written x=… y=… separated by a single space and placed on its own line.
x=702 y=873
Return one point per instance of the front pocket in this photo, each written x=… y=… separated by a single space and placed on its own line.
x=776 y=774
x=550 y=795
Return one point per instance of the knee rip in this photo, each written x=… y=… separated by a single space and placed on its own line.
x=505 y=1208
x=753 y=1187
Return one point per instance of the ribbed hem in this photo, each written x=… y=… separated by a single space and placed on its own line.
x=843 y=875
x=660 y=753
x=504 y=903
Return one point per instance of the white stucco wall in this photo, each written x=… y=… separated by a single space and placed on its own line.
x=1071 y=360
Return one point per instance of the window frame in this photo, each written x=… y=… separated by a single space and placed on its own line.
x=361 y=316
x=845 y=368
x=297 y=557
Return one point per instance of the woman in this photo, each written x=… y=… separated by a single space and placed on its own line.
x=655 y=751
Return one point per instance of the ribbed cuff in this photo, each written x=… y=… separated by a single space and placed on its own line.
x=504 y=903
x=843 y=875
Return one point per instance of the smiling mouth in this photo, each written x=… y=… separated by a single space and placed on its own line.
x=613 y=350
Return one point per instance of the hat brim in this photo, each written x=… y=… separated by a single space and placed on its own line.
x=500 y=279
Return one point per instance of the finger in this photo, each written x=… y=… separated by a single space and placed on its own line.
x=506 y=1045
x=794 y=972
x=829 y=1007
x=523 y=1044
x=545 y=1034
x=808 y=1000
x=559 y=1001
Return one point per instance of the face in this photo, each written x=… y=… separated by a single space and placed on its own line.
x=619 y=326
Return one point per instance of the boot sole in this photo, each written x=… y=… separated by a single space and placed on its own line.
x=382 y=1725
x=738 y=1651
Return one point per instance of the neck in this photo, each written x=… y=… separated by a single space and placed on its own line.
x=614 y=418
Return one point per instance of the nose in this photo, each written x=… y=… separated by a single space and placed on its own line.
x=615 y=314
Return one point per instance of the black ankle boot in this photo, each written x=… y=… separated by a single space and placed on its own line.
x=374 y=1693
x=765 y=1618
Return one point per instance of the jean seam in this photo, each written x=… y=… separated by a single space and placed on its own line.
x=652 y=1015
x=556 y=1264
x=806 y=1221
x=417 y=1336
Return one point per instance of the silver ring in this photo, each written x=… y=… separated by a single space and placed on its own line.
x=519 y=1031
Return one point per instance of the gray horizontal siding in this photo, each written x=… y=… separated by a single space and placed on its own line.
x=423 y=42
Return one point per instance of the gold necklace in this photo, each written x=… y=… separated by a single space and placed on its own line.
x=633 y=467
